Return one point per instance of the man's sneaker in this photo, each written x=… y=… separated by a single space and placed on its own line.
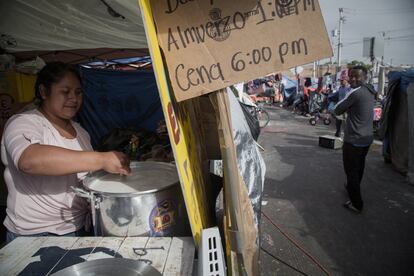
x=348 y=205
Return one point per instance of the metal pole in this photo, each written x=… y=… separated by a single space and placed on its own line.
x=334 y=36
x=381 y=81
x=317 y=68
x=297 y=80
x=371 y=81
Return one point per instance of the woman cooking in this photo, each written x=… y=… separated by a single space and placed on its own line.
x=45 y=153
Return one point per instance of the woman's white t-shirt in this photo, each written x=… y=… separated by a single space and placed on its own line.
x=37 y=203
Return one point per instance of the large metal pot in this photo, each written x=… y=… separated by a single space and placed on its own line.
x=147 y=203
x=110 y=266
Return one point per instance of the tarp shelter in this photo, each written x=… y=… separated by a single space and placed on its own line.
x=397 y=123
x=289 y=89
x=72 y=31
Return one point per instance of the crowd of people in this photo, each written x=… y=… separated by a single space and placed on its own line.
x=351 y=102
x=310 y=98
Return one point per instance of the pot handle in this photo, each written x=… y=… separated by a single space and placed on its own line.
x=81 y=192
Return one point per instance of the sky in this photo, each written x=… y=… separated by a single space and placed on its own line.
x=367 y=18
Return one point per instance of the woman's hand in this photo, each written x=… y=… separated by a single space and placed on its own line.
x=116 y=162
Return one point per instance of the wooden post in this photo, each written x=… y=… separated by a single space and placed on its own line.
x=240 y=233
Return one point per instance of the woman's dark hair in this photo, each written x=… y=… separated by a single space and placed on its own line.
x=53 y=72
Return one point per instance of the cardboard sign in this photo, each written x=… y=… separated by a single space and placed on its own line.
x=209 y=45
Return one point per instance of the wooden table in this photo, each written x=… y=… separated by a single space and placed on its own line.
x=47 y=255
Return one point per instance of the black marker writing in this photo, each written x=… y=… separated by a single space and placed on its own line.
x=241 y=61
x=173 y=5
x=191 y=77
x=295 y=47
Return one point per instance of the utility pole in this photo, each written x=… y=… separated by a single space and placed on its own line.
x=341 y=20
x=334 y=36
x=372 y=54
x=382 y=56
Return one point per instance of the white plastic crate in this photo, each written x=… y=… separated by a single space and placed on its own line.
x=210 y=256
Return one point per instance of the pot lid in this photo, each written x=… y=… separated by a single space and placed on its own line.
x=145 y=177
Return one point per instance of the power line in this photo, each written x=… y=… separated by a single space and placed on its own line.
x=390 y=39
x=354 y=14
x=398 y=30
x=403 y=40
x=349 y=10
x=352 y=43
x=396 y=37
x=386 y=38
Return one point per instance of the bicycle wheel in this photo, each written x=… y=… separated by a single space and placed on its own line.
x=263 y=117
x=312 y=121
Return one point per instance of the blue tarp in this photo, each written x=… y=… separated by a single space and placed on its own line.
x=118 y=99
x=406 y=76
x=289 y=83
x=289 y=90
x=121 y=61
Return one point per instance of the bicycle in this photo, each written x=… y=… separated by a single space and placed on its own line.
x=262 y=115
x=256 y=108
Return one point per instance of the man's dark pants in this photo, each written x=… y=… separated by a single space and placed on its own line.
x=338 y=124
x=354 y=165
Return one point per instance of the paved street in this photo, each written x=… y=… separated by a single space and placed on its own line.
x=304 y=193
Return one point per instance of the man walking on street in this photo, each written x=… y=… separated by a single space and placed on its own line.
x=359 y=105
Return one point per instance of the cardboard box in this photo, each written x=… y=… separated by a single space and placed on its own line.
x=330 y=142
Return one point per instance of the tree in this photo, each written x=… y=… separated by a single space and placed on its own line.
x=357 y=62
